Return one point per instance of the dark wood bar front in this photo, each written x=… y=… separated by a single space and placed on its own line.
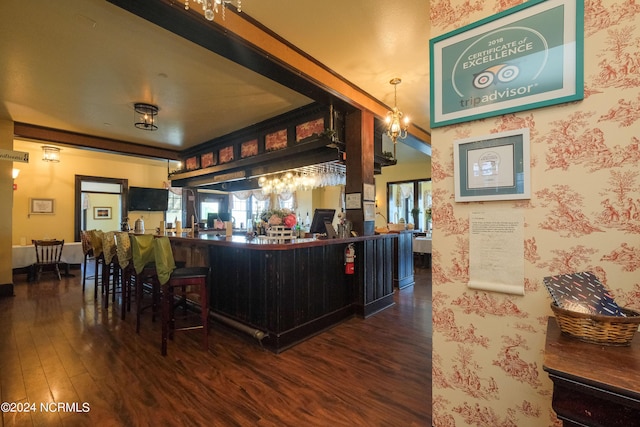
x=291 y=291
x=403 y=268
x=593 y=385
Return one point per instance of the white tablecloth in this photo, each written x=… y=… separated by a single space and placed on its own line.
x=24 y=256
x=422 y=245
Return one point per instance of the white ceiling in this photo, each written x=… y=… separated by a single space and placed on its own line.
x=79 y=65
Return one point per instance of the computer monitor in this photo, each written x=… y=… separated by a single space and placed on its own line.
x=320 y=216
x=212 y=216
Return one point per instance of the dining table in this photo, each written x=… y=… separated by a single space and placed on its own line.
x=422 y=247
x=24 y=256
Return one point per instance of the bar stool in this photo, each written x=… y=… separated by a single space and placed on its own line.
x=144 y=271
x=170 y=278
x=95 y=236
x=125 y=263
x=109 y=267
x=87 y=250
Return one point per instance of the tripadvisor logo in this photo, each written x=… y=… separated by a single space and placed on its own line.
x=497 y=95
x=501 y=65
x=503 y=73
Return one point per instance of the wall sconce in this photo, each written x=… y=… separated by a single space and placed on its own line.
x=14 y=174
x=145 y=116
x=50 y=154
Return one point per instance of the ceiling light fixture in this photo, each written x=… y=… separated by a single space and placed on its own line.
x=50 y=154
x=210 y=7
x=145 y=116
x=396 y=124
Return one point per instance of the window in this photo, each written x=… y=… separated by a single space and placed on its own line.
x=175 y=206
x=211 y=202
x=286 y=204
x=241 y=211
x=207 y=207
x=246 y=211
x=409 y=201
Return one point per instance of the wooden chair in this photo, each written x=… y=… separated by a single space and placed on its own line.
x=48 y=254
x=170 y=278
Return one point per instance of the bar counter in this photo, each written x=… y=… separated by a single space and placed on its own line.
x=292 y=291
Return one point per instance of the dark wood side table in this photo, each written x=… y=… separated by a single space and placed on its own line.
x=593 y=385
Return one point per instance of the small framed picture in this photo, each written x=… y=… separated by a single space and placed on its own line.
x=368 y=192
x=492 y=167
x=41 y=206
x=353 y=201
x=369 y=211
x=102 y=213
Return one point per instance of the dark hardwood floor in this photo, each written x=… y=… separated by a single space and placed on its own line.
x=58 y=347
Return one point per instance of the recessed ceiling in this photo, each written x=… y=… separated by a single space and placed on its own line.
x=79 y=65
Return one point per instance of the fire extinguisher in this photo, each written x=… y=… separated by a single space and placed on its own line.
x=349 y=258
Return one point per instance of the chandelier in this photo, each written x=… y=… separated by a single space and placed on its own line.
x=396 y=124
x=145 y=116
x=50 y=154
x=211 y=7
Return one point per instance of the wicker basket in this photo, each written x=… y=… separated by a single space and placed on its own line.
x=598 y=329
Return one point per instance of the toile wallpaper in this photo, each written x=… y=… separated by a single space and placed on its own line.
x=584 y=214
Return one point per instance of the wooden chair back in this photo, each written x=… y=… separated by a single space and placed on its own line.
x=48 y=254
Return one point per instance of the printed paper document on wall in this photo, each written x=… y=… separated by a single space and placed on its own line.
x=496 y=251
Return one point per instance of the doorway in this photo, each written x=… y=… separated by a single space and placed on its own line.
x=100 y=203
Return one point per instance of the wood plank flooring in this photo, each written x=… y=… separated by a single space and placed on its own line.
x=58 y=347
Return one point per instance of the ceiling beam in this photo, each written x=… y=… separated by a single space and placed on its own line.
x=40 y=133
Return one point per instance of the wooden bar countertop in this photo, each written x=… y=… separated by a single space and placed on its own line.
x=260 y=243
